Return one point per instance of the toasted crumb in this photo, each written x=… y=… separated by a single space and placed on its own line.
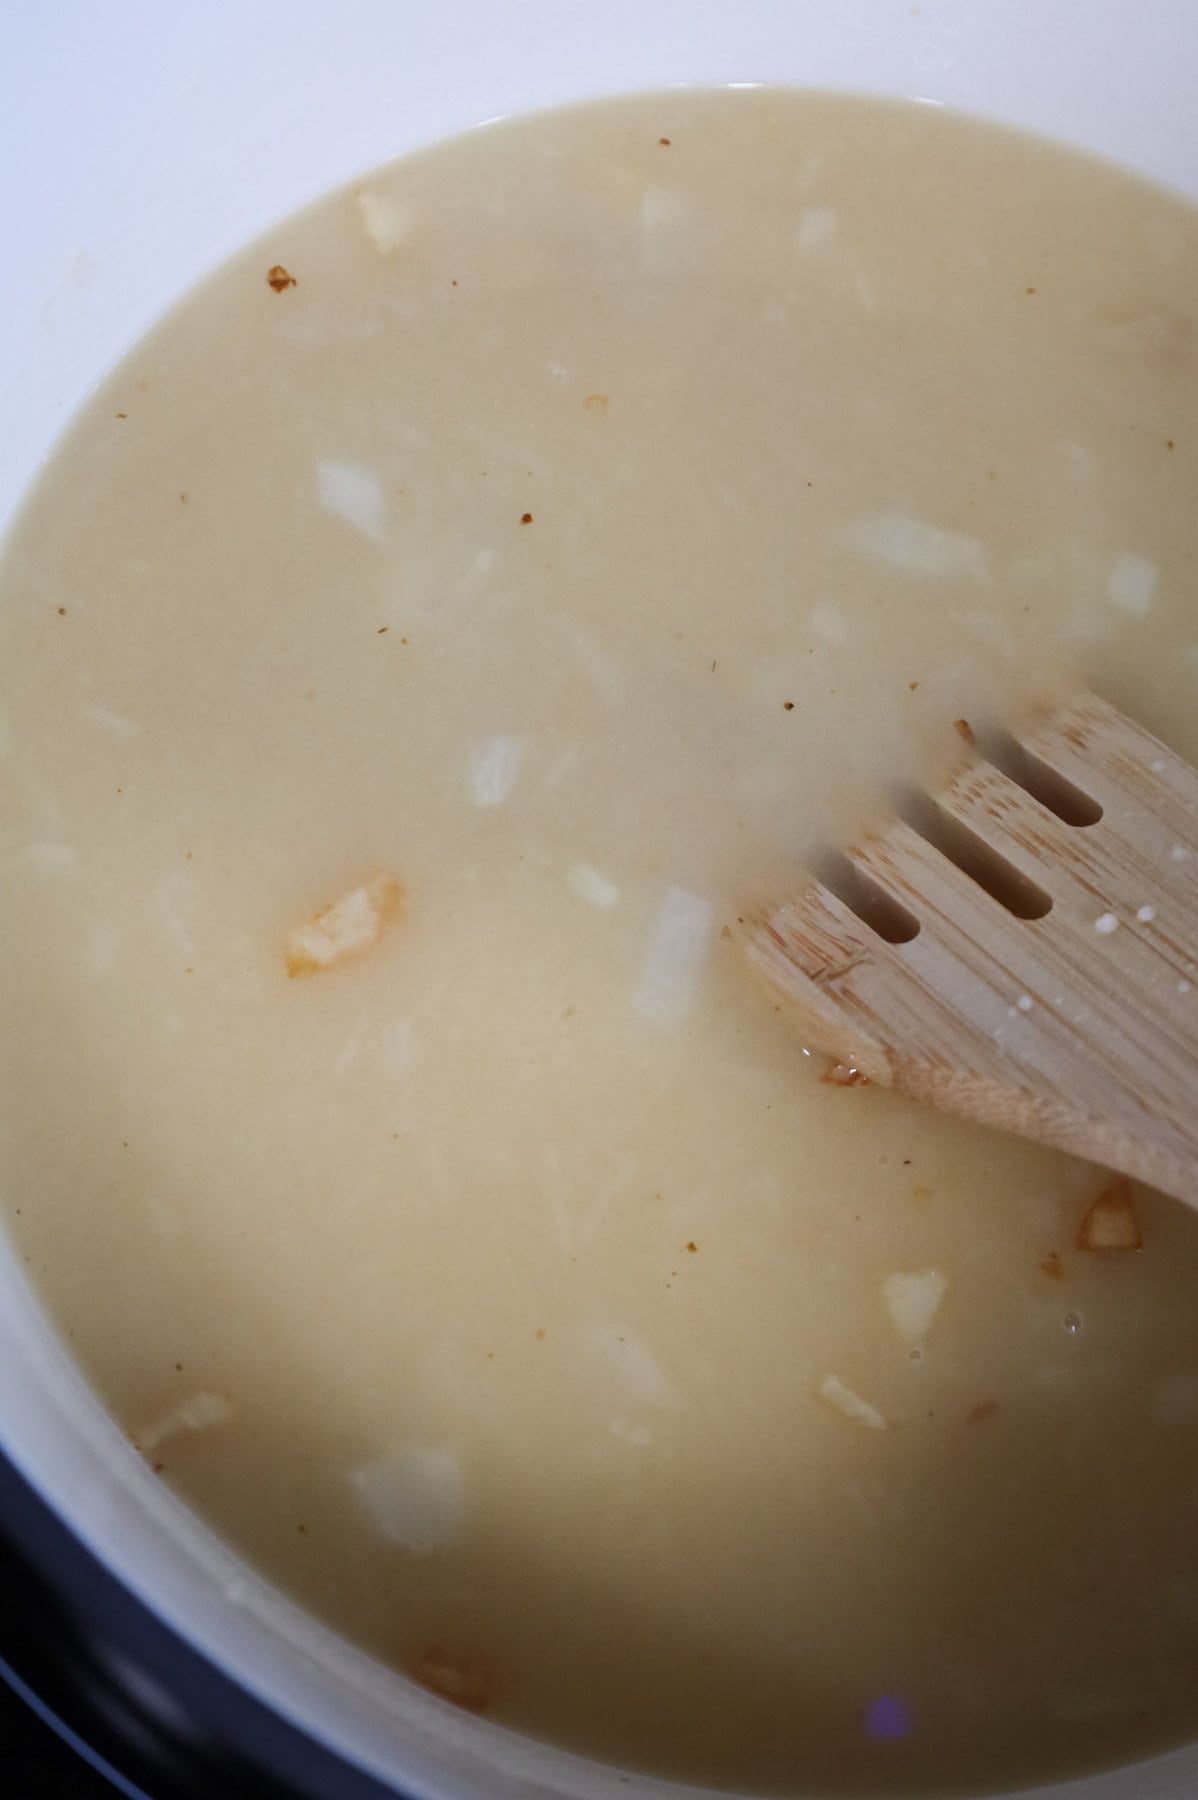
x=199 y=1412
x=279 y=279
x=1112 y=1223
x=345 y=930
x=984 y=1410
x=597 y=402
x=471 y=1688
x=963 y=729
x=840 y=1074
x=1053 y=1266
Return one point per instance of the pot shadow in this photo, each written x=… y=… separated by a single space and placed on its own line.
x=1032 y=1614
x=1018 y=1601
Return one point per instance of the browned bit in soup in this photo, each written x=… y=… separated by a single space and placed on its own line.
x=416 y=657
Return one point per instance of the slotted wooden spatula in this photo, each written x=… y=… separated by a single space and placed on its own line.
x=1078 y=1027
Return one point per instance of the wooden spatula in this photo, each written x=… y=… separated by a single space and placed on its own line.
x=1048 y=984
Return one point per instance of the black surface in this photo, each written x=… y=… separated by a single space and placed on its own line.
x=35 y=1763
x=166 y=1724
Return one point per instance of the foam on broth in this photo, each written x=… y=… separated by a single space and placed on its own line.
x=577 y=526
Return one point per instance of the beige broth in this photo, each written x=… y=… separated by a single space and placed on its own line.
x=615 y=508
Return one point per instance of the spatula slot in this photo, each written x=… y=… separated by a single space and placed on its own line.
x=1079 y=1031
x=1039 y=779
x=992 y=872
x=892 y=922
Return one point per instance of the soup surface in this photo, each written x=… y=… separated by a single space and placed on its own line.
x=577 y=526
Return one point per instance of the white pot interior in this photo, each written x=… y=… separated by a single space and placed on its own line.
x=152 y=142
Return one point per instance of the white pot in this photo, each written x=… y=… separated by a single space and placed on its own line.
x=142 y=141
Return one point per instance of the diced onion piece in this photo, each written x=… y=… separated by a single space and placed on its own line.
x=919 y=547
x=678 y=948
x=199 y=1412
x=388 y=220
x=817 y=226
x=913 y=1301
x=355 y=494
x=414 y=1497
x=494 y=767
x=615 y=1353
x=843 y=1400
x=1132 y=582
x=590 y=885
x=1112 y=1223
x=345 y=930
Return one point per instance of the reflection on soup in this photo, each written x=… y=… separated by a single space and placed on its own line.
x=425 y=645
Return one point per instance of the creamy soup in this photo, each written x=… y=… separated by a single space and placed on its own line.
x=425 y=647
